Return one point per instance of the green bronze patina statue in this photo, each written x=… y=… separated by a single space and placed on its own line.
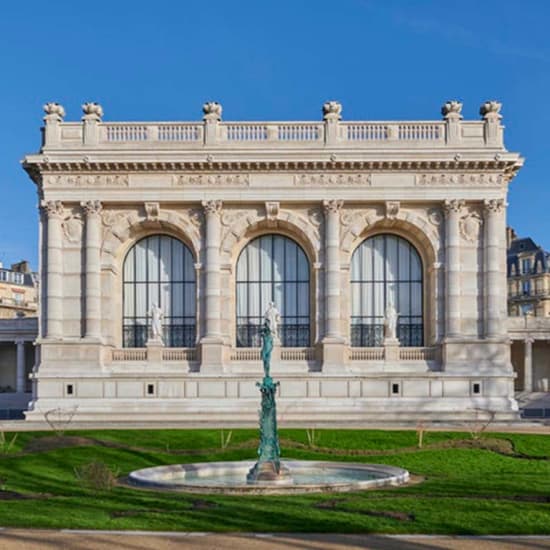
x=268 y=468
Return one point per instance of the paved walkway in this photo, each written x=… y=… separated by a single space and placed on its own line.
x=20 y=539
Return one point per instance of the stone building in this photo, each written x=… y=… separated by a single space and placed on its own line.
x=333 y=221
x=18 y=291
x=528 y=277
x=529 y=310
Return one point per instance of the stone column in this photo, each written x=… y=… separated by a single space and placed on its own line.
x=92 y=210
x=453 y=209
x=333 y=343
x=528 y=365
x=20 y=376
x=54 y=270
x=494 y=289
x=212 y=342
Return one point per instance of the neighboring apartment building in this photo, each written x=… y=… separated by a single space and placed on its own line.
x=18 y=291
x=528 y=277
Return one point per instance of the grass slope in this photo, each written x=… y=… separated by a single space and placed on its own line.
x=497 y=485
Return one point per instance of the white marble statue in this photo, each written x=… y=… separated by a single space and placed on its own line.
x=156 y=322
x=390 y=322
x=273 y=318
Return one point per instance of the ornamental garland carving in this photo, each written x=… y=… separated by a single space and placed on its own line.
x=219 y=180
x=87 y=180
x=460 y=179
x=343 y=180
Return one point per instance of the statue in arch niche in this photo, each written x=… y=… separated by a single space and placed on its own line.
x=390 y=322
x=156 y=323
x=272 y=318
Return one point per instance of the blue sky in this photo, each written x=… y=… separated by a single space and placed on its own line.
x=276 y=59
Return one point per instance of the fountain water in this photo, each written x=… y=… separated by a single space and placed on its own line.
x=268 y=475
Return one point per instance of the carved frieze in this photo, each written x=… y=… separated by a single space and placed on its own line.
x=211 y=180
x=326 y=179
x=461 y=179
x=87 y=180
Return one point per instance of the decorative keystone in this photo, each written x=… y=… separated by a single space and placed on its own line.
x=452 y=109
x=92 y=111
x=54 y=111
x=491 y=110
x=212 y=110
x=332 y=110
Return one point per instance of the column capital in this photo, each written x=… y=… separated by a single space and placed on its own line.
x=529 y=340
x=54 y=209
x=92 y=208
x=19 y=341
x=332 y=206
x=453 y=206
x=212 y=207
x=494 y=206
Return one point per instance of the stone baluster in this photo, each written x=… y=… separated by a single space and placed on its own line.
x=528 y=365
x=20 y=372
x=212 y=211
x=332 y=269
x=92 y=210
x=452 y=209
x=54 y=269
x=494 y=275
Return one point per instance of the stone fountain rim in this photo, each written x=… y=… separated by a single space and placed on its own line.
x=147 y=478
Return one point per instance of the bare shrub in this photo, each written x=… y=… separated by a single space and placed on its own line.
x=96 y=475
x=225 y=439
x=484 y=417
x=7 y=443
x=60 y=419
x=311 y=437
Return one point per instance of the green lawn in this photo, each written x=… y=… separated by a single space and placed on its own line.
x=495 y=485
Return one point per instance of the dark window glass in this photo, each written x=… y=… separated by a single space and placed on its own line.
x=159 y=270
x=273 y=268
x=386 y=269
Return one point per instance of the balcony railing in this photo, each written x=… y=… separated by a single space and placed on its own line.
x=140 y=354
x=287 y=354
x=405 y=354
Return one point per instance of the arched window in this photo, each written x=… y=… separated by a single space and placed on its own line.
x=386 y=269
x=159 y=270
x=273 y=268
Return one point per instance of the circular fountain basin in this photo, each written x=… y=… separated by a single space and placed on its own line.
x=308 y=476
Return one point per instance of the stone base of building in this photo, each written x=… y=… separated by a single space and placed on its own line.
x=304 y=399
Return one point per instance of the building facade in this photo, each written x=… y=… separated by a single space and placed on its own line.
x=18 y=291
x=528 y=277
x=333 y=221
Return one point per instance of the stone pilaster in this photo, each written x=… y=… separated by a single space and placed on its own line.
x=333 y=343
x=54 y=270
x=452 y=209
x=528 y=365
x=212 y=351
x=20 y=374
x=92 y=210
x=494 y=278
